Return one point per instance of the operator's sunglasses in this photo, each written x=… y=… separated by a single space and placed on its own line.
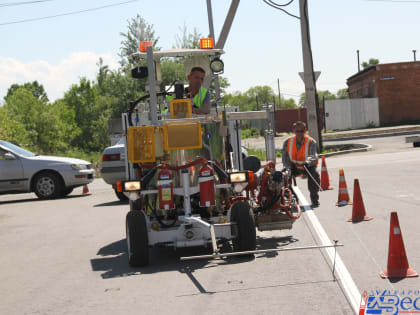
x=299 y=130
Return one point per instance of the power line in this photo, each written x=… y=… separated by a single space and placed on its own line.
x=271 y=4
x=68 y=13
x=281 y=5
x=12 y=4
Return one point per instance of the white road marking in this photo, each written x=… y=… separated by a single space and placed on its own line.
x=350 y=289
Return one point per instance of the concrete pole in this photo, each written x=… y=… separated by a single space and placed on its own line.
x=211 y=29
x=308 y=74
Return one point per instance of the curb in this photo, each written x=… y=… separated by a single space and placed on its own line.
x=363 y=148
x=376 y=135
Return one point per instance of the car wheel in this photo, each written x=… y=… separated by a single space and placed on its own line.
x=47 y=185
x=246 y=235
x=137 y=239
x=67 y=191
x=121 y=196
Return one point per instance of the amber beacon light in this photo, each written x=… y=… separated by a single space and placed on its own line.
x=144 y=45
x=206 y=43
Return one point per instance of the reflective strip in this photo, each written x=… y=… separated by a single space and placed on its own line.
x=342 y=190
x=203 y=179
x=307 y=143
x=164 y=182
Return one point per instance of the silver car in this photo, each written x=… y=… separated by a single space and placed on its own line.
x=22 y=171
x=113 y=166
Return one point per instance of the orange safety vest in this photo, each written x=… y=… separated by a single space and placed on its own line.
x=298 y=157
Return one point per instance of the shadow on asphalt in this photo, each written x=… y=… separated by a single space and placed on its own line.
x=37 y=199
x=111 y=203
x=114 y=260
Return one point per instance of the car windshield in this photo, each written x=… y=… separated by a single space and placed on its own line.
x=121 y=141
x=16 y=149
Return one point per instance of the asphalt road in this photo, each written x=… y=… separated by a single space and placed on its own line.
x=67 y=256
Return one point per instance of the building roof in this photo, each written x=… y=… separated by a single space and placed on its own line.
x=380 y=64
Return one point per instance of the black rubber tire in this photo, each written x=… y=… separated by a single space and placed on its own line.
x=48 y=185
x=137 y=239
x=245 y=227
x=67 y=191
x=121 y=196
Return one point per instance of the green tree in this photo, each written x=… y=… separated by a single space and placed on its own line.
x=327 y=95
x=287 y=103
x=187 y=40
x=343 y=93
x=372 y=62
x=12 y=130
x=138 y=30
x=37 y=90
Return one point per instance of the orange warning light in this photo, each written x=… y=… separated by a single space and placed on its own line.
x=206 y=43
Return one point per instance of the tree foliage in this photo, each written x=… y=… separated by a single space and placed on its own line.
x=372 y=62
x=186 y=39
x=137 y=30
x=37 y=90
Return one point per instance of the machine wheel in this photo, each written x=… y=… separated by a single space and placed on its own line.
x=47 y=185
x=121 y=196
x=137 y=240
x=67 y=191
x=245 y=227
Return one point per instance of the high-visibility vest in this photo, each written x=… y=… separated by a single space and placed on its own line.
x=298 y=157
x=199 y=97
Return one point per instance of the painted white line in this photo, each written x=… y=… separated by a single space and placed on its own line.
x=348 y=285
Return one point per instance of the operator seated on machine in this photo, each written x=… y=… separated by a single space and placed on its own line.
x=199 y=96
x=299 y=155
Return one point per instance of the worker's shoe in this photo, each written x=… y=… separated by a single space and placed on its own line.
x=315 y=203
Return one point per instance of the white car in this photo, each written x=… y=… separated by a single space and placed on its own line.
x=113 y=165
x=22 y=171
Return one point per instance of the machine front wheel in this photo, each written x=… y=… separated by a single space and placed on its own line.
x=246 y=234
x=137 y=239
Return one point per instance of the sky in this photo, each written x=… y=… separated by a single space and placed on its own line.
x=264 y=44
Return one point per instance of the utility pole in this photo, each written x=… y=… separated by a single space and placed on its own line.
x=278 y=86
x=358 y=61
x=308 y=75
x=414 y=52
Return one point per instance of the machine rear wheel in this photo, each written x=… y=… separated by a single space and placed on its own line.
x=137 y=240
x=245 y=227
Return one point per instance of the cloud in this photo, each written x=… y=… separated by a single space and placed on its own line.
x=56 y=79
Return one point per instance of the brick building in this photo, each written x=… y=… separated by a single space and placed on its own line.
x=397 y=87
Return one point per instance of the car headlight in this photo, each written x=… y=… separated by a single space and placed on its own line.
x=77 y=167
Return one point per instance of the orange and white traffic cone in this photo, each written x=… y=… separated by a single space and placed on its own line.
x=343 y=195
x=397 y=266
x=325 y=179
x=85 y=189
x=358 y=212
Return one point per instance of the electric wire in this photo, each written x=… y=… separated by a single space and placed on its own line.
x=12 y=4
x=275 y=7
x=68 y=13
x=281 y=5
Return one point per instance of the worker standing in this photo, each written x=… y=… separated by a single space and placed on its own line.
x=199 y=96
x=299 y=155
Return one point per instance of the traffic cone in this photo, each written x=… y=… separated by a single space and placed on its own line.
x=359 y=212
x=325 y=179
x=343 y=195
x=85 y=189
x=397 y=259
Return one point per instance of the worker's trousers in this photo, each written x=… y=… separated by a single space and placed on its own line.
x=312 y=186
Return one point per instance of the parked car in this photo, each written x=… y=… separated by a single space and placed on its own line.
x=113 y=165
x=22 y=171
